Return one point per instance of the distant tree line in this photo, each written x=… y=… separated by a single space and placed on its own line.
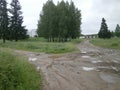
x=11 y=20
x=106 y=33
x=59 y=22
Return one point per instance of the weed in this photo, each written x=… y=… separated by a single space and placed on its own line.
x=40 y=45
x=107 y=43
x=17 y=73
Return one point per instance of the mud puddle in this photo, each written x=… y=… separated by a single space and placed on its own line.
x=98 y=61
x=85 y=56
x=88 y=68
x=93 y=68
x=32 y=59
x=110 y=78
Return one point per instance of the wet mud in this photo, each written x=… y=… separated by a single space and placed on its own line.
x=91 y=68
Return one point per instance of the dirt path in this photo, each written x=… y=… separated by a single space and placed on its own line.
x=93 y=68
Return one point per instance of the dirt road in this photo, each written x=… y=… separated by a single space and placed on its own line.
x=93 y=68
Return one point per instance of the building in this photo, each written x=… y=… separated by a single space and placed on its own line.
x=91 y=36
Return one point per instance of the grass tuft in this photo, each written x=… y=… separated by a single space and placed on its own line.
x=41 y=45
x=76 y=41
x=17 y=73
x=113 y=43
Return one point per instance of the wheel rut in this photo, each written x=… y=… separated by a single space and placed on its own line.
x=72 y=71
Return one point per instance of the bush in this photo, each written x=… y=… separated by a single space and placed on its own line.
x=114 y=44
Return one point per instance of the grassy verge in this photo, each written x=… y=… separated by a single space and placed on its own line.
x=17 y=73
x=113 y=43
x=76 y=41
x=40 y=45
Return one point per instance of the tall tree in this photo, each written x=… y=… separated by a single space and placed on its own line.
x=0 y=19
x=3 y=20
x=104 y=32
x=16 y=20
x=75 y=21
x=62 y=23
x=46 y=22
x=117 y=31
x=59 y=22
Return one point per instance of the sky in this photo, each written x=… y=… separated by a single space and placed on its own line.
x=92 y=13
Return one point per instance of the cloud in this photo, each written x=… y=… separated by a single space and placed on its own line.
x=92 y=13
x=109 y=9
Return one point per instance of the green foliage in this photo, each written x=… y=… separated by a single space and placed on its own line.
x=11 y=24
x=46 y=23
x=59 y=22
x=107 y=43
x=104 y=32
x=17 y=73
x=76 y=41
x=34 y=44
x=114 y=44
x=3 y=20
x=113 y=34
x=16 y=30
x=117 y=31
x=35 y=39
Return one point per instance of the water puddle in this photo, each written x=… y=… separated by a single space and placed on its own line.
x=88 y=68
x=109 y=78
x=83 y=52
x=114 y=68
x=85 y=56
x=107 y=68
x=94 y=62
x=103 y=67
x=38 y=68
x=33 y=59
x=115 y=61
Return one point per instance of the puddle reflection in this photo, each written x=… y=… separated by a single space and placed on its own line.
x=33 y=59
x=88 y=68
x=85 y=56
x=109 y=78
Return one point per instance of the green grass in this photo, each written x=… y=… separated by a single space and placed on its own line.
x=16 y=73
x=76 y=41
x=113 y=43
x=41 y=45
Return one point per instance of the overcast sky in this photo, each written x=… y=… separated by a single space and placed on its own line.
x=92 y=12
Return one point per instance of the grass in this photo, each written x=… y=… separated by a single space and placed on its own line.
x=76 y=41
x=113 y=43
x=41 y=45
x=16 y=73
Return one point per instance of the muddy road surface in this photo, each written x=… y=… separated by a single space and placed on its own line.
x=91 y=68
